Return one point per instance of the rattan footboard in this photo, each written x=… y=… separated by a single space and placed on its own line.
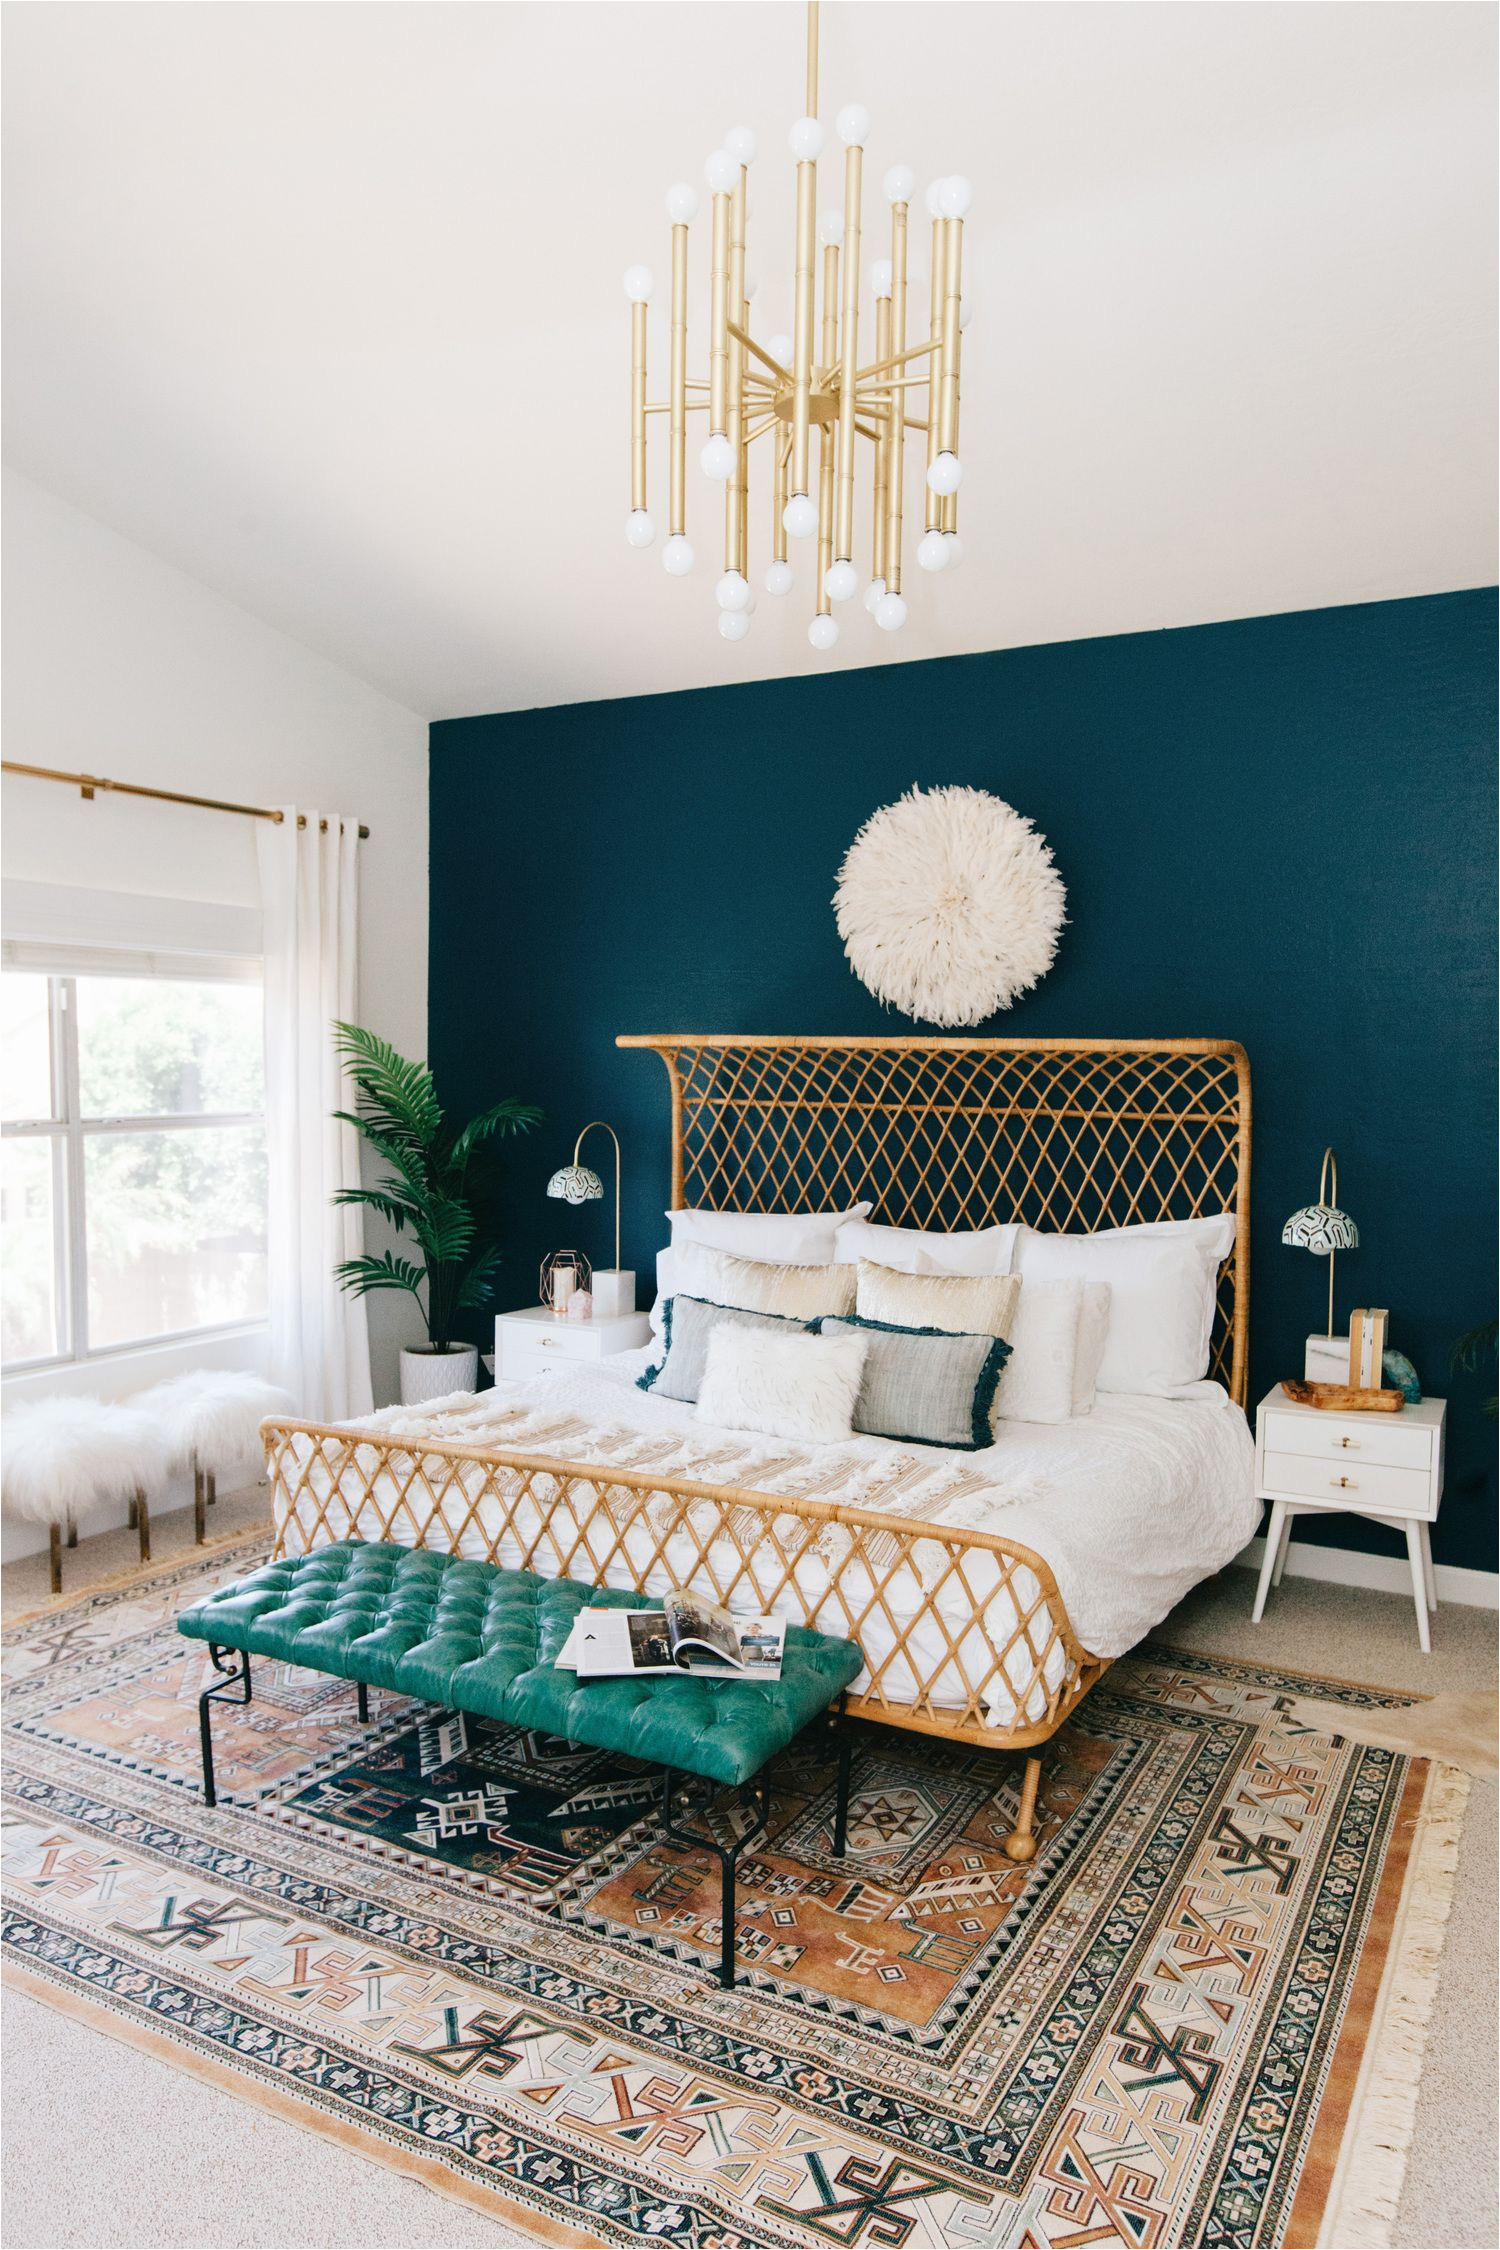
x=952 y=1621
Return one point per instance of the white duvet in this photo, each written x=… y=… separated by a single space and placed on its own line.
x=1130 y=1505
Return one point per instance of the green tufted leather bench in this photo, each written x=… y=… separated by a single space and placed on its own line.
x=472 y=1637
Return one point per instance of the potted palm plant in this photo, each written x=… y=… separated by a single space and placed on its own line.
x=426 y=1193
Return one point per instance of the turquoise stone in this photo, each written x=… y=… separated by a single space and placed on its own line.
x=1401 y=1376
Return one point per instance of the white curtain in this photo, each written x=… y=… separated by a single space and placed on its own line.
x=309 y=880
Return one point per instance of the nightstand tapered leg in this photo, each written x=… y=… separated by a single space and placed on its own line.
x=1268 y=1566
x=1432 y=1600
x=1281 y=1552
x=1419 y=1584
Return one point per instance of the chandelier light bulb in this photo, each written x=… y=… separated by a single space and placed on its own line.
x=831 y=229
x=639 y=529
x=899 y=182
x=778 y=578
x=721 y=172
x=853 y=125
x=799 y=517
x=890 y=613
x=806 y=140
x=741 y=144
x=881 y=279
x=717 y=459
x=945 y=475
x=841 y=581
x=781 y=348
x=682 y=203
x=752 y=283
x=955 y=194
x=734 y=624
x=734 y=590
x=677 y=556
x=823 y=632
x=930 y=194
x=955 y=547
x=873 y=594
x=965 y=311
x=932 y=553
x=639 y=284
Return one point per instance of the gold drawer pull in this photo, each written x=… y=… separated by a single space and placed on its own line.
x=1344 y=1483
x=1350 y=1441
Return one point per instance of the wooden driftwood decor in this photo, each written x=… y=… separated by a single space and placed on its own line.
x=1339 y=1398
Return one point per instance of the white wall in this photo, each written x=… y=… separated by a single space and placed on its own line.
x=116 y=664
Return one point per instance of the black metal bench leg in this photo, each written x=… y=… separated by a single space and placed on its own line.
x=841 y=1801
x=362 y=1700
x=726 y=1915
x=232 y=1676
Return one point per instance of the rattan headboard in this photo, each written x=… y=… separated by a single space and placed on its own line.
x=1071 y=1134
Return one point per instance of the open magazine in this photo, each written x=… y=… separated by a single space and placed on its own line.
x=684 y=1635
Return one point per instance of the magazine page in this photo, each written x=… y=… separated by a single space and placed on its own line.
x=697 y=1629
x=606 y=1643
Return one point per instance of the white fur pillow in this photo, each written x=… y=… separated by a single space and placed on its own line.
x=788 y=1386
x=1036 y=1384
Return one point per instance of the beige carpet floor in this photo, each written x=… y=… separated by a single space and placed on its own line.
x=106 y=2148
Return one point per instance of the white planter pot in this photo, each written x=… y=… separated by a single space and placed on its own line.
x=432 y=1374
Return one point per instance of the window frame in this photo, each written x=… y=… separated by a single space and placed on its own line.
x=69 y=1132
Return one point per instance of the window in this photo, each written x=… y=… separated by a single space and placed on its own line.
x=133 y=1198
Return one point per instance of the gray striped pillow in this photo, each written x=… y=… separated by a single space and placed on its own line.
x=927 y=1385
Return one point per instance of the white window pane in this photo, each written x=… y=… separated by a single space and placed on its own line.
x=162 y=1046
x=29 y=1324
x=26 y=1065
x=176 y=1231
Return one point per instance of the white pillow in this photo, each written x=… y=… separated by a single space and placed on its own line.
x=907 y=1250
x=1036 y=1382
x=1160 y=1307
x=1214 y=1236
x=788 y=1386
x=779 y=1238
x=1093 y=1330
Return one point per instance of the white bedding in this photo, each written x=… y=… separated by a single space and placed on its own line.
x=1130 y=1505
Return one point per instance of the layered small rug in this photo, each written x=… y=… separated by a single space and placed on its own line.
x=1197 y=2018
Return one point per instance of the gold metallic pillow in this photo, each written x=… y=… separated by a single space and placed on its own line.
x=961 y=1304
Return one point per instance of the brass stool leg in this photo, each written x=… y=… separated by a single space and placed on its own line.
x=72 y=1532
x=212 y=1484
x=1020 y=1844
x=131 y=1514
x=143 y=1523
x=198 y=1505
x=54 y=1555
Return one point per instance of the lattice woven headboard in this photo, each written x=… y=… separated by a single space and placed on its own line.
x=1070 y=1134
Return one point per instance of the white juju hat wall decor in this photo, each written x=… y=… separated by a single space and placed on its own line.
x=949 y=905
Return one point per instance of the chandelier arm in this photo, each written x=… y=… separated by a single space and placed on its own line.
x=638 y=406
x=718 y=314
x=758 y=429
x=953 y=252
x=807 y=189
x=849 y=356
x=734 y=489
x=812 y=59
x=783 y=374
x=669 y=406
x=829 y=347
x=878 y=513
x=933 y=510
x=677 y=511
x=897 y=359
x=897 y=356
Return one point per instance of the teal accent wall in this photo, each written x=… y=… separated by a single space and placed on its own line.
x=1280 y=830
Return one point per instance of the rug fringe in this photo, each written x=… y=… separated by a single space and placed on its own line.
x=1366 y=2187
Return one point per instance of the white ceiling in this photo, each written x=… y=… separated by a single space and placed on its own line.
x=322 y=304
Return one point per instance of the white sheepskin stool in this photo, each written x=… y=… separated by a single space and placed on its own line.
x=211 y=1422
x=65 y=1457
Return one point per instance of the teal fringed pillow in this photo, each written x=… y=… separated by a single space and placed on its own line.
x=926 y=1386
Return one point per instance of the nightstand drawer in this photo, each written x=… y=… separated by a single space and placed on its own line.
x=527 y=1352
x=1368 y=1487
x=1373 y=1439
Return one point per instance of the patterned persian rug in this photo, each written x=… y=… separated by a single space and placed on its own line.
x=1197 y=2018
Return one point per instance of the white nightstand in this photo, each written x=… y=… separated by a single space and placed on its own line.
x=530 y=1341
x=1388 y=1467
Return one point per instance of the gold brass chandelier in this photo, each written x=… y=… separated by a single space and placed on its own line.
x=812 y=380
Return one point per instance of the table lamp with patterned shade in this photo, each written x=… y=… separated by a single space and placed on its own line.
x=614 y=1288
x=1322 y=1227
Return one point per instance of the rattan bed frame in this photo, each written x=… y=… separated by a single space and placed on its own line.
x=1071 y=1134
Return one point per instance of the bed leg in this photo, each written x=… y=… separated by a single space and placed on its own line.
x=1020 y=1844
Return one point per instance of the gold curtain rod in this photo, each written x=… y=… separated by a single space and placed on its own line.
x=90 y=783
